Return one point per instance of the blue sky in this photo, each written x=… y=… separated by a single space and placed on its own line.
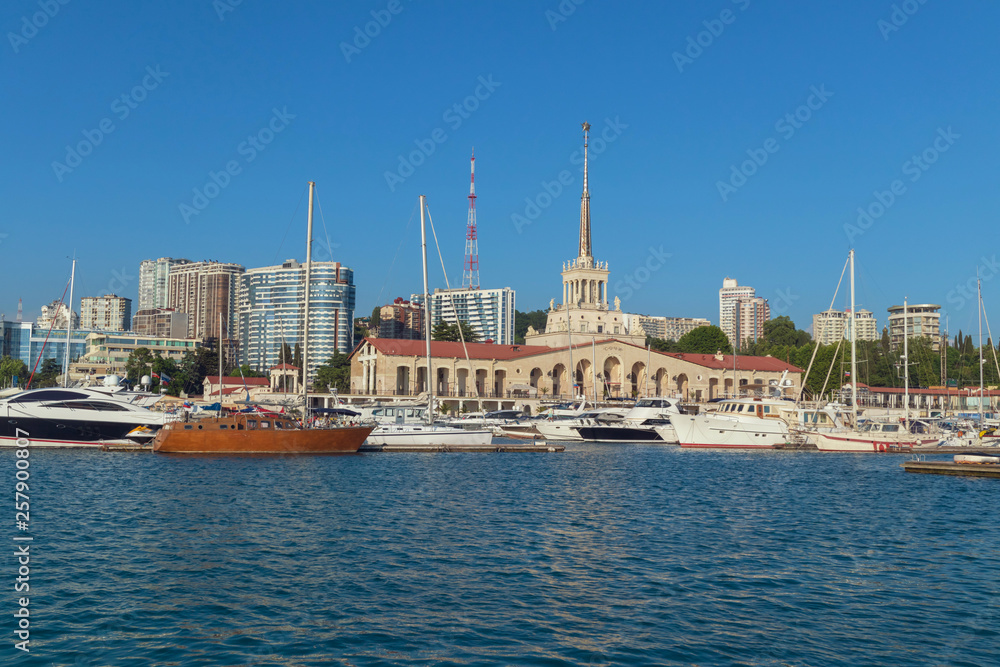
x=682 y=92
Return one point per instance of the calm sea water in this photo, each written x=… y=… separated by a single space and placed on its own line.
x=602 y=555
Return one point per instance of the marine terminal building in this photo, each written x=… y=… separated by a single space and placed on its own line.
x=587 y=349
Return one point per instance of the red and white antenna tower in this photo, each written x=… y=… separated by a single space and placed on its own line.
x=470 y=276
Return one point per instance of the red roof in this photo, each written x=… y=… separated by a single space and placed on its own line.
x=444 y=349
x=250 y=382
x=285 y=367
x=447 y=349
x=743 y=363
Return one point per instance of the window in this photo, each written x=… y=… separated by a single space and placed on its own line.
x=48 y=395
x=223 y=427
x=188 y=427
x=265 y=424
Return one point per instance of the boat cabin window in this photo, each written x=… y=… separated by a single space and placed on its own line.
x=767 y=409
x=50 y=395
x=277 y=424
x=223 y=427
x=251 y=423
x=890 y=428
x=239 y=427
x=188 y=427
x=265 y=424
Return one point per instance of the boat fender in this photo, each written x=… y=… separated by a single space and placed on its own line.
x=881 y=446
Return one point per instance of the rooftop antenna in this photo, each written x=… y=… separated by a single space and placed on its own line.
x=470 y=276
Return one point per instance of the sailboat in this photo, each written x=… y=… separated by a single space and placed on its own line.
x=873 y=436
x=403 y=434
x=259 y=432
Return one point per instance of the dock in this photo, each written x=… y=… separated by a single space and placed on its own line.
x=126 y=447
x=950 y=468
x=538 y=446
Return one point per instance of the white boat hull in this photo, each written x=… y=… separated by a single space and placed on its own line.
x=737 y=432
x=557 y=430
x=427 y=435
x=857 y=442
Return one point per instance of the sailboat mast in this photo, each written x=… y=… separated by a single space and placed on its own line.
x=427 y=311
x=305 y=315
x=219 y=350
x=906 y=371
x=979 y=292
x=854 y=354
x=69 y=325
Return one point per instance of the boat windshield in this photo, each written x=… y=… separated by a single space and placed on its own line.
x=48 y=395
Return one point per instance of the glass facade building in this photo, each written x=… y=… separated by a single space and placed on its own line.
x=272 y=310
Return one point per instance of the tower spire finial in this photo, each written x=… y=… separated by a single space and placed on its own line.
x=585 y=246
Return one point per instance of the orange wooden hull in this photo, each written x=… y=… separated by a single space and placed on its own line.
x=208 y=436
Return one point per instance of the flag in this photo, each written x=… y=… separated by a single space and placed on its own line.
x=164 y=377
x=156 y=376
x=847 y=373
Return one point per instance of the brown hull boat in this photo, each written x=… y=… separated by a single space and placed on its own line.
x=256 y=434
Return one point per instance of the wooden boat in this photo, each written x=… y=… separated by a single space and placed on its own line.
x=255 y=433
x=978 y=464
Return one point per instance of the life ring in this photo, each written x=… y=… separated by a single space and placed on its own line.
x=881 y=446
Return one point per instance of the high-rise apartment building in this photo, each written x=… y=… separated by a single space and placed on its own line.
x=154 y=282
x=665 y=328
x=272 y=312
x=749 y=317
x=831 y=326
x=106 y=313
x=490 y=312
x=401 y=319
x=162 y=322
x=204 y=290
x=56 y=311
x=922 y=319
x=729 y=295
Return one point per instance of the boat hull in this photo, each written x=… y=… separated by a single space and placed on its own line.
x=175 y=439
x=830 y=442
x=617 y=434
x=427 y=435
x=716 y=431
x=92 y=434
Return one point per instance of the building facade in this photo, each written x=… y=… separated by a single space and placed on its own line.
x=56 y=311
x=503 y=374
x=272 y=312
x=206 y=290
x=162 y=322
x=666 y=328
x=490 y=312
x=401 y=319
x=106 y=313
x=921 y=319
x=106 y=353
x=154 y=283
x=729 y=296
x=749 y=317
x=831 y=326
x=584 y=313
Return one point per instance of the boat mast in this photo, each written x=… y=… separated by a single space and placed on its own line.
x=219 y=350
x=906 y=372
x=305 y=317
x=854 y=354
x=427 y=310
x=979 y=291
x=69 y=325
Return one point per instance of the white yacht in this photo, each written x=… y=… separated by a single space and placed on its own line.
x=57 y=417
x=873 y=437
x=747 y=423
x=566 y=428
x=647 y=421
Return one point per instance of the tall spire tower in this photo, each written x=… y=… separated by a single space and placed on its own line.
x=470 y=276
x=586 y=250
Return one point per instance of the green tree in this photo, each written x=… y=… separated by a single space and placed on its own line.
x=12 y=368
x=661 y=345
x=448 y=331
x=376 y=318
x=335 y=374
x=534 y=318
x=48 y=374
x=705 y=340
x=139 y=363
x=248 y=372
x=195 y=366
